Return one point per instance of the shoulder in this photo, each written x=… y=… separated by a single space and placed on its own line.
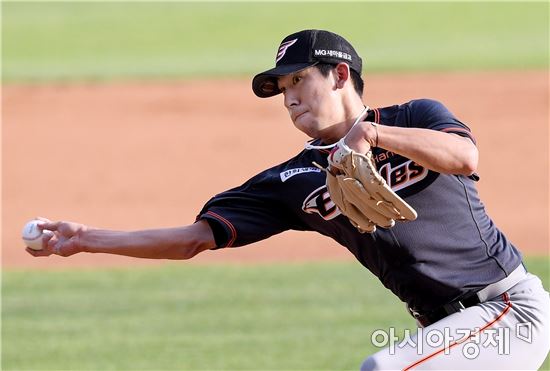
x=426 y=105
x=428 y=111
x=413 y=112
x=415 y=104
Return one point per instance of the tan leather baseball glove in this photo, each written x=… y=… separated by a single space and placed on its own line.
x=362 y=195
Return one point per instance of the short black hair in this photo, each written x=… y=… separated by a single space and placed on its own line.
x=356 y=79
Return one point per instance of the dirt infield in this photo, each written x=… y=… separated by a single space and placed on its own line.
x=146 y=155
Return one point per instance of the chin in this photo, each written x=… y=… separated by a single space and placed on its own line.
x=308 y=127
x=310 y=132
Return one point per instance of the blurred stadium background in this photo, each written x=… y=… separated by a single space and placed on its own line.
x=99 y=101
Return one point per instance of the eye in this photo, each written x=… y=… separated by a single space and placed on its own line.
x=296 y=79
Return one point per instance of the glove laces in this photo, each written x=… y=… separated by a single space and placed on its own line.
x=359 y=118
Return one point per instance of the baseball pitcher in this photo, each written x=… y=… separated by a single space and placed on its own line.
x=394 y=185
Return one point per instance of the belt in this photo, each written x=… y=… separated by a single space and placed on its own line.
x=471 y=299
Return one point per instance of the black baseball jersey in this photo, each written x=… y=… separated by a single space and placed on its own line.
x=452 y=248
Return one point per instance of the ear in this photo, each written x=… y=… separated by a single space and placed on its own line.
x=342 y=74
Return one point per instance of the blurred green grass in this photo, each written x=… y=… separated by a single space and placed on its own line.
x=282 y=316
x=106 y=40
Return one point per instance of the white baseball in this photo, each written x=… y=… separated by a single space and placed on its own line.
x=32 y=235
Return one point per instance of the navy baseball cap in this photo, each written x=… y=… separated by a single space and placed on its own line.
x=302 y=50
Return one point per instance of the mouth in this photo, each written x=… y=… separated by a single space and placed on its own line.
x=298 y=115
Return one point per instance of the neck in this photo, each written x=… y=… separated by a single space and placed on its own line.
x=351 y=110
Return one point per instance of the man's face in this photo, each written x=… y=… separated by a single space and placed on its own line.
x=312 y=100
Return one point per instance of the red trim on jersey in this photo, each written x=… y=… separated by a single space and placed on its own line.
x=505 y=298
x=460 y=130
x=376 y=115
x=228 y=223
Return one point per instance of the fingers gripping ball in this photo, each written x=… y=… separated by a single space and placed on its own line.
x=33 y=236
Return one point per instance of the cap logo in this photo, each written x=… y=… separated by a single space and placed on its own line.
x=332 y=53
x=282 y=49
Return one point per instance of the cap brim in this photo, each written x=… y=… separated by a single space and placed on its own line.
x=265 y=84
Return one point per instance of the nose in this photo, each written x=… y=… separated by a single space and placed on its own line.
x=291 y=99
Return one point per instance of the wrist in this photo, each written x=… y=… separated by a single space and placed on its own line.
x=83 y=240
x=361 y=137
x=371 y=133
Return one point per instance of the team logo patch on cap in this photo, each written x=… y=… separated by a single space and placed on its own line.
x=282 y=49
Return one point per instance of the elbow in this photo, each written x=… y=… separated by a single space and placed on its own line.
x=190 y=249
x=469 y=162
x=194 y=248
x=469 y=171
x=468 y=168
x=198 y=238
x=465 y=157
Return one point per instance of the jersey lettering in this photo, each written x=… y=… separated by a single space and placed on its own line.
x=319 y=202
x=415 y=170
x=398 y=176
x=404 y=175
x=383 y=156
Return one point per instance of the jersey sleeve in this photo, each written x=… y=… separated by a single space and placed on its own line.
x=246 y=214
x=431 y=114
